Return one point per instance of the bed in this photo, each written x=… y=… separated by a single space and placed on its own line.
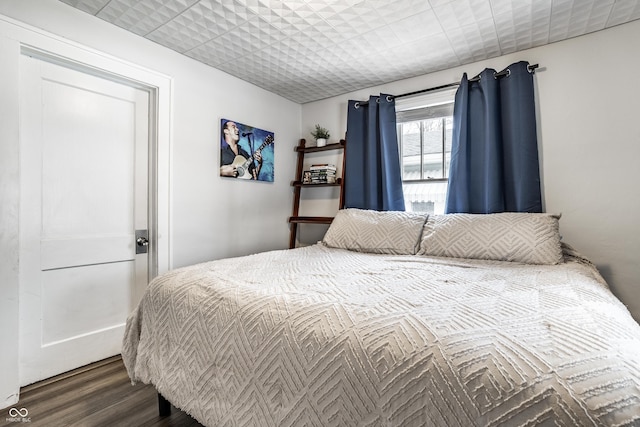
x=394 y=319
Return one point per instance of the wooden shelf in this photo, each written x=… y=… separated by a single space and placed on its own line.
x=310 y=219
x=298 y=185
x=338 y=183
x=313 y=149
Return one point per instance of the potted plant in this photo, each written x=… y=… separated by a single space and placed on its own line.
x=321 y=135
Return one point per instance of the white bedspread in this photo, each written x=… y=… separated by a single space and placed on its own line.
x=319 y=336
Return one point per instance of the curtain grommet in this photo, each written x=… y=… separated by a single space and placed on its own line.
x=500 y=74
x=389 y=98
x=356 y=105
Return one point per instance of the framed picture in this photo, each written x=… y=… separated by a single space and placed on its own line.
x=246 y=152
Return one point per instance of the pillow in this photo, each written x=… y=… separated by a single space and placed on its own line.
x=521 y=237
x=389 y=232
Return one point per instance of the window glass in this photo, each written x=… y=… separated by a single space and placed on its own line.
x=410 y=146
x=424 y=138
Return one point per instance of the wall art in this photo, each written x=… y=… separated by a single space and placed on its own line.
x=246 y=152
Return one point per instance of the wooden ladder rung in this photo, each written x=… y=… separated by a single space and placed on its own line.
x=311 y=219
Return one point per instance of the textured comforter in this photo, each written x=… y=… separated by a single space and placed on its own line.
x=319 y=336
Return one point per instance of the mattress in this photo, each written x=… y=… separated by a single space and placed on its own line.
x=332 y=337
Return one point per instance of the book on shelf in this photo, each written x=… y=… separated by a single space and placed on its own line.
x=322 y=181
x=320 y=173
x=319 y=177
x=323 y=166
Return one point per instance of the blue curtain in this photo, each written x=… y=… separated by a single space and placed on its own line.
x=494 y=153
x=372 y=164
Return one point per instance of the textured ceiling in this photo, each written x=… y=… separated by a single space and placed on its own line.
x=307 y=50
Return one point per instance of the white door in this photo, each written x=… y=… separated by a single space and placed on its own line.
x=84 y=173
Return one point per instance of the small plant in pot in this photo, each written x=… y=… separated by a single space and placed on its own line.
x=321 y=135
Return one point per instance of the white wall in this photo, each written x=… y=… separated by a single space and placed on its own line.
x=210 y=217
x=589 y=137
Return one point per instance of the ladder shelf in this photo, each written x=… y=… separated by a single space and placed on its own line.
x=298 y=185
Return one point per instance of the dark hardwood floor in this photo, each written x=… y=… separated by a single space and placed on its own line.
x=97 y=395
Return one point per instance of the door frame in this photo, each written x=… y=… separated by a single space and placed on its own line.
x=14 y=37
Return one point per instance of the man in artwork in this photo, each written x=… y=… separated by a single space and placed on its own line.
x=230 y=152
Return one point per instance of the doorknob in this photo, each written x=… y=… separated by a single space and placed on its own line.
x=142 y=241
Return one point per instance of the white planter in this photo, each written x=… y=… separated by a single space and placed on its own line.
x=321 y=142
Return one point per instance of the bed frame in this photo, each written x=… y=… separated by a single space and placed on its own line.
x=164 y=406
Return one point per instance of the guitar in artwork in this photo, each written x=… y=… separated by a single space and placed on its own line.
x=242 y=165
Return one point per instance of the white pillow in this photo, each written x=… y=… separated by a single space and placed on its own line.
x=521 y=237
x=389 y=232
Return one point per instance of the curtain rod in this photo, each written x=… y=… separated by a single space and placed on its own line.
x=431 y=89
x=359 y=104
x=531 y=68
x=505 y=72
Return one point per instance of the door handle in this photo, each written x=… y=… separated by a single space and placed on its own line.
x=142 y=241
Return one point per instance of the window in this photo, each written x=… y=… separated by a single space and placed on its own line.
x=424 y=137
